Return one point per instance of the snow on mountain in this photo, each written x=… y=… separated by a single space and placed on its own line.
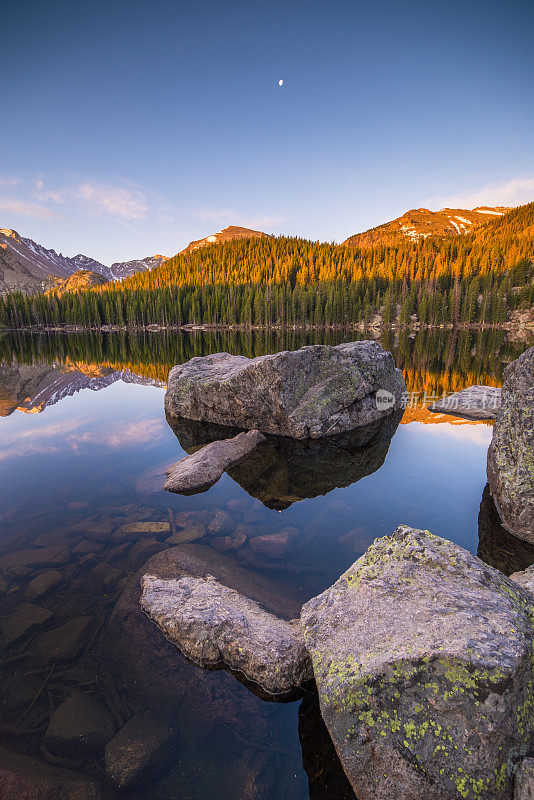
x=226 y=235
x=420 y=222
x=27 y=266
x=122 y=269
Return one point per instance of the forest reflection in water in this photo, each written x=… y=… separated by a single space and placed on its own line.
x=83 y=511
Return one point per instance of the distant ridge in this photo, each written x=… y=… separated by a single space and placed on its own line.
x=226 y=235
x=419 y=223
x=27 y=266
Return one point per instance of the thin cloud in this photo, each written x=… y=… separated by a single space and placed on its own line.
x=101 y=199
x=514 y=192
x=6 y=181
x=225 y=216
x=27 y=209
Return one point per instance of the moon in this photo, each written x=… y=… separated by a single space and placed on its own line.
x=280 y=82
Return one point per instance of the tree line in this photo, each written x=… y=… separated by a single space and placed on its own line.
x=478 y=279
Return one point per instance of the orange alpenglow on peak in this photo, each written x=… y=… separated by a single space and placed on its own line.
x=226 y=235
x=419 y=223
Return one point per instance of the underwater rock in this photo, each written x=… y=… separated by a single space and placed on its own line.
x=142 y=747
x=24 y=620
x=310 y=393
x=273 y=545
x=200 y=470
x=475 y=402
x=79 y=727
x=25 y=778
x=214 y=625
x=422 y=657
x=64 y=642
x=43 y=584
x=511 y=452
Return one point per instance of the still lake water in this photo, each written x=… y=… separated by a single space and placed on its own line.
x=83 y=445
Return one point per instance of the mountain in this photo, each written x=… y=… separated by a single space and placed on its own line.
x=32 y=388
x=226 y=235
x=122 y=269
x=27 y=266
x=419 y=223
x=77 y=282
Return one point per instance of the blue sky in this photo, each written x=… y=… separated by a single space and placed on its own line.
x=130 y=128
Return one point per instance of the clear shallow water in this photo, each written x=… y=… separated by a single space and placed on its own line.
x=84 y=442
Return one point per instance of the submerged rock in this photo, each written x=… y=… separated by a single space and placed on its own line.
x=422 y=656
x=200 y=470
x=309 y=393
x=65 y=642
x=475 y=402
x=511 y=452
x=140 y=748
x=43 y=583
x=24 y=620
x=80 y=726
x=216 y=626
x=24 y=778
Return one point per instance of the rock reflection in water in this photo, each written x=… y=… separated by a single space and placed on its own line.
x=326 y=778
x=496 y=546
x=282 y=471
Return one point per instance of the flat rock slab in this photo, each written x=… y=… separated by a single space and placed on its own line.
x=511 y=452
x=422 y=655
x=216 y=626
x=199 y=471
x=475 y=402
x=309 y=393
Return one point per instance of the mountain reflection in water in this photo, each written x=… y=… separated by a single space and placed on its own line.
x=82 y=510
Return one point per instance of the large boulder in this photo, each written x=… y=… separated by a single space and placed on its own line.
x=306 y=394
x=422 y=657
x=511 y=452
x=214 y=625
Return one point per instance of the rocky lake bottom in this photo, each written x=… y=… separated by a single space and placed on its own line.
x=84 y=443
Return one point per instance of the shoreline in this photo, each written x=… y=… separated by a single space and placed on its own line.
x=212 y=328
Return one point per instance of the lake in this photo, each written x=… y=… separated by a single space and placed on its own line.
x=83 y=447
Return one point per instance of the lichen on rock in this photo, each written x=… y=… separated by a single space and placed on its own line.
x=422 y=657
x=310 y=393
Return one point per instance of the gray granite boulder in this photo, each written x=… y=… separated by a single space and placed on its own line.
x=511 y=452
x=525 y=578
x=524 y=782
x=200 y=470
x=475 y=402
x=309 y=393
x=216 y=626
x=422 y=657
